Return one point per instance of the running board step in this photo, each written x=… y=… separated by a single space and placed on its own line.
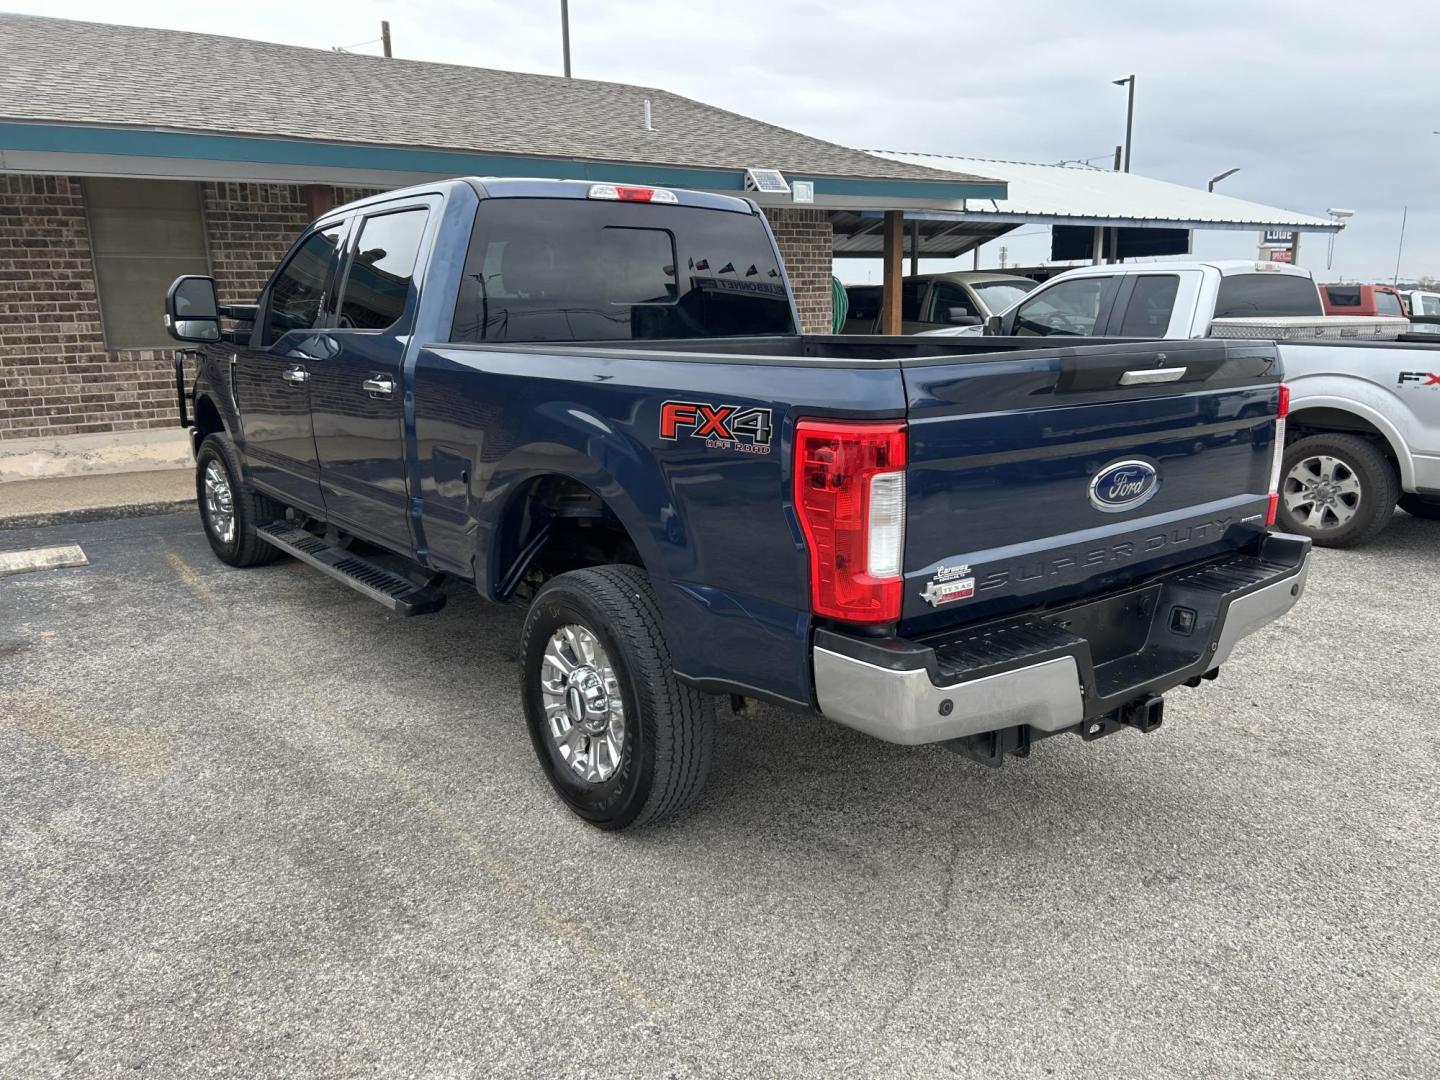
x=395 y=592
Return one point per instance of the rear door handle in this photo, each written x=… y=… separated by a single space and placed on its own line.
x=381 y=384
x=1152 y=375
x=296 y=374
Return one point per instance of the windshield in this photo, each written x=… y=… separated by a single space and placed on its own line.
x=579 y=270
x=999 y=295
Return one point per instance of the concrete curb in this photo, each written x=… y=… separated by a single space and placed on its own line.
x=94 y=513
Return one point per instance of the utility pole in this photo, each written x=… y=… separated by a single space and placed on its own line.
x=1129 y=115
x=565 y=33
x=1113 y=234
x=385 y=36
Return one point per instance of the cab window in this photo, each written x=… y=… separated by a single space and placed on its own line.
x=1387 y=303
x=297 y=294
x=947 y=295
x=382 y=270
x=1069 y=308
x=1148 y=312
x=911 y=292
x=1266 y=296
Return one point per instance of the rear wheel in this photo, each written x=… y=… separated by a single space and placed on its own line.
x=1339 y=490
x=1421 y=506
x=229 y=510
x=622 y=741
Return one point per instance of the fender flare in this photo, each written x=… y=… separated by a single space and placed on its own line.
x=586 y=450
x=1371 y=416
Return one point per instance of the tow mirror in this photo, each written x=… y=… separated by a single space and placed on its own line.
x=191 y=313
x=994 y=325
x=958 y=316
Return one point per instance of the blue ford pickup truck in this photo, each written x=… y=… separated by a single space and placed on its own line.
x=593 y=400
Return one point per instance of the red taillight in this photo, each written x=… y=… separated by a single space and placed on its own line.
x=850 y=496
x=1279 y=455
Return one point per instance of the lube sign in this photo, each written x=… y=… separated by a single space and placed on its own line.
x=1123 y=485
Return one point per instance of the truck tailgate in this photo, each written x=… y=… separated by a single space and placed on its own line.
x=1037 y=476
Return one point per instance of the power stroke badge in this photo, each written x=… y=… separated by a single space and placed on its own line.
x=948 y=584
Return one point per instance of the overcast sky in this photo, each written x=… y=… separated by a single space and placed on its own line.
x=1319 y=103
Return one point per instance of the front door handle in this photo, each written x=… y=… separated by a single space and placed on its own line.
x=296 y=374
x=380 y=384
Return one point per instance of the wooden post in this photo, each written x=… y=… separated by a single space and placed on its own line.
x=319 y=199
x=891 y=274
x=385 y=36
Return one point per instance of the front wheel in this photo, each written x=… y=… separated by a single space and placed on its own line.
x=1339 y=490
x=230 y=512
x=622 y=741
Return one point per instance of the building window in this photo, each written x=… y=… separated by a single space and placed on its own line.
x=143 y=235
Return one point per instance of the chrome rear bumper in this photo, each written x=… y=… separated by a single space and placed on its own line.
x=905 y=692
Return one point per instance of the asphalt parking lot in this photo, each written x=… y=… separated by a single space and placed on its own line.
x=256 y=826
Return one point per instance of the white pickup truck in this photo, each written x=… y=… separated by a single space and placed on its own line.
x=1364 y=425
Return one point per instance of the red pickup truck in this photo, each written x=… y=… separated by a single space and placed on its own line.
x=1362 y=300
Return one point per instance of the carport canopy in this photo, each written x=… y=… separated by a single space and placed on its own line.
x=1055 y=195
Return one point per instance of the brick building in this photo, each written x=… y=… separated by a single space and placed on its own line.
x=129 y=156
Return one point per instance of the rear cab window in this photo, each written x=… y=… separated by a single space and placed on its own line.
x=1151 y=303
x=1244 y=296
x=576 y=270
x=381 y=270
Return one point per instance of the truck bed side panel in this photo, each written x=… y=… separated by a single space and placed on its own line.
x=713 y=523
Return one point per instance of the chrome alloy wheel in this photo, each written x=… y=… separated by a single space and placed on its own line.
x=1322 y=492
x=583 y=705
x=219 y=502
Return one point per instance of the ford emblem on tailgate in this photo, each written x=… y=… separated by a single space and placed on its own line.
x=1123 y=485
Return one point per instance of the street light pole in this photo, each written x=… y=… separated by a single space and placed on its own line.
x=565 y=33
x=1216 y=179
x=1129 y=115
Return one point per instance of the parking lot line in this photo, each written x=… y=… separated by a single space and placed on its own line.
x=482 y=855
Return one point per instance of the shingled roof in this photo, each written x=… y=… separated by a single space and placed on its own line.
x=95 y=74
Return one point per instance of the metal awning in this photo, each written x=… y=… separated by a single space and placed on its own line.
x=1075 y=195
x=860 y=234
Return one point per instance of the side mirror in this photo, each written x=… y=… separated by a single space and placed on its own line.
x=994 y=325
x=958 y=316
x=191 y=313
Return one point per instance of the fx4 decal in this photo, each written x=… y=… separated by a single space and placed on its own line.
x=1422 y=378
x=723 y=427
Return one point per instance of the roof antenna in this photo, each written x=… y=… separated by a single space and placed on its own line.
x=648 y=125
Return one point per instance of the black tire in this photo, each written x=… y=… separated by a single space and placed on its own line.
x=1373 y=506
x=1421 y=506
x=239 y=545
x=669 y=728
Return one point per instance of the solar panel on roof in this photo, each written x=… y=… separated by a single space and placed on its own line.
x=766 y=180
